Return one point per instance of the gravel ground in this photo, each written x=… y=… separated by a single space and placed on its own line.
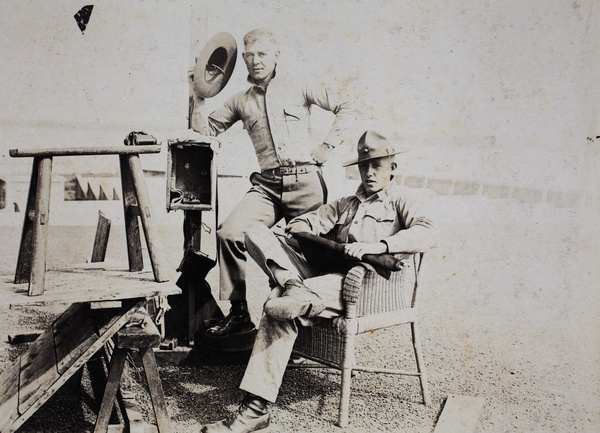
x=509 y=313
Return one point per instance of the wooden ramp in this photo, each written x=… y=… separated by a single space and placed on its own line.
x=55 y=356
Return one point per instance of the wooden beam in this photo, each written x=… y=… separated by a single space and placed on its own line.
x=78 y=151
x=460 y=414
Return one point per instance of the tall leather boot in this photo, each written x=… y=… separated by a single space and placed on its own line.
x=252 y=416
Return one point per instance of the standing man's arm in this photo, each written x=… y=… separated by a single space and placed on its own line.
x=218 y=121
x=346 y=116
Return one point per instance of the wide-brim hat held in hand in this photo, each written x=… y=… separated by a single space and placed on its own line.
x=372 y=145
x=214 y=65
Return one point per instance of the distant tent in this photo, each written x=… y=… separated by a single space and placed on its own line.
x=81 y=187
x=2 y=194
x=93 y=190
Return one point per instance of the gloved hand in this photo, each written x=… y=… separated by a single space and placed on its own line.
x=322 y=153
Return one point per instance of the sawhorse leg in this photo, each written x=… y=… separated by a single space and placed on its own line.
x=31 y=264
x=135 y=191
x=156 y=392
x=130 y=340
x=117 y=365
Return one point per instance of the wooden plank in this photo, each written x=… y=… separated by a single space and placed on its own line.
x=101 y=239
x=73 y=335
x=146 y=214
x=24 y=261
x=9 y=395
x=460 y=414
x=39 y=240
x=80 y=151
x=90 y=282
x=131 y=213
x=38 y=370
x=47 y=392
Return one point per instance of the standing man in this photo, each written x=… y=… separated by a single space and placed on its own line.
x=275 y=111
x=380 y=218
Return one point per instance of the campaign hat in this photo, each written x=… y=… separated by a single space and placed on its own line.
x=372 y=145
x=214 y=65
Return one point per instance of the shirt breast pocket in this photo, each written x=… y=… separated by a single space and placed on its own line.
x=296 y=120
x=381 y=216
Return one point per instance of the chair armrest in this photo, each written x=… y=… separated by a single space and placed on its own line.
x=370 y=293
x=353 y=283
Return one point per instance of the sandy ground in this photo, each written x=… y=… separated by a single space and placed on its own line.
x=509 y=313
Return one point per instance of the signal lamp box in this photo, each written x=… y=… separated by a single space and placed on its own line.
x=191 y=175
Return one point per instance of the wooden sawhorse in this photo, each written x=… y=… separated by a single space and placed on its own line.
x=128 y=340
x=31 y=264
x=102 y=303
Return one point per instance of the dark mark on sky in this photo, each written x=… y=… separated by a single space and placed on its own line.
x=83 y=16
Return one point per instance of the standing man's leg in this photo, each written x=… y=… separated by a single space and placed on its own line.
x=255 y=208
x=270 y=199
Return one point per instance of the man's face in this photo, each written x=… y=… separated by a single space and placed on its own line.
x=261 y=58
x=375 y=174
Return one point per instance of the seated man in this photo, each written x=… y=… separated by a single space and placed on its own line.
x=378 y=219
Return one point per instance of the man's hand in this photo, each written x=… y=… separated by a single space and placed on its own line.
x=357 y=250
x=297 y=227
x=293 y=228
x=322 y=153
x=198 y=100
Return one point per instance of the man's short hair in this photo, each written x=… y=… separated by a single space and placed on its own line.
x=263 y=34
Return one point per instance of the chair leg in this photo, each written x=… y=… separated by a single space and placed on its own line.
x=346 y=381
x=420 y=364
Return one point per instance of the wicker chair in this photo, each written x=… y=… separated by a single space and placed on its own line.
x=372 y=303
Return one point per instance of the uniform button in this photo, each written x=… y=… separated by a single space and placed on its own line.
x=355 y=222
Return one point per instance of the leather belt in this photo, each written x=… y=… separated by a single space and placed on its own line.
x=294 y=169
